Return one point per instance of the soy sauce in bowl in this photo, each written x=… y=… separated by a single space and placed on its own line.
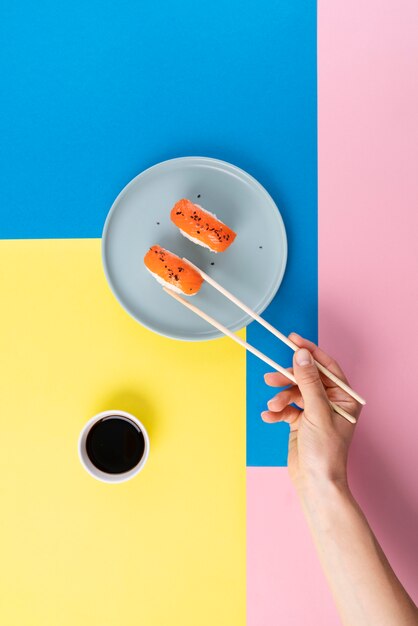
x=115 y=444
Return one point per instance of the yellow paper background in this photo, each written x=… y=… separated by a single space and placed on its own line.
x=164 y=549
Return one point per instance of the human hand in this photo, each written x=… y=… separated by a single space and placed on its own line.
x=319 y=438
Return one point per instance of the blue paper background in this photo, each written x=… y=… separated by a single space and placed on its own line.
x=94 y=92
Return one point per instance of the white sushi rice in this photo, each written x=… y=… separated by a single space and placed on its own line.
x=164 y=283
x=199 y=243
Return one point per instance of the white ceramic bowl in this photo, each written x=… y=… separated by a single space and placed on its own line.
x=92 y=469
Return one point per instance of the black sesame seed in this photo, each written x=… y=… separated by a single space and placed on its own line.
x=198 y=195
x=261 y=247
x=212 y=263
x=158 y=223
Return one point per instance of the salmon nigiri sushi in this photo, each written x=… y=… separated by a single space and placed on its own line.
x=201 y=226
x=172 y=272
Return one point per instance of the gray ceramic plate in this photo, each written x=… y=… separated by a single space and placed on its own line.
x=252 y=268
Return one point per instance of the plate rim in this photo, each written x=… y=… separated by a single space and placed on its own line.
x=245 y=320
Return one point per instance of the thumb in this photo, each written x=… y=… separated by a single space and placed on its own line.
x=309 y=382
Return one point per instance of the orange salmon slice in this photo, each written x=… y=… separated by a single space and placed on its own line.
x=201 y=225
x=173 y=270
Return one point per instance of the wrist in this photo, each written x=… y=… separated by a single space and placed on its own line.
x=324 y=501
x=321 y=488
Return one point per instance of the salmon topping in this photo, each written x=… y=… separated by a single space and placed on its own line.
x=173 y=270
x=193 y=220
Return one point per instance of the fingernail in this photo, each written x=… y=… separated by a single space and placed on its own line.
x=303 y=357
x=264 y=414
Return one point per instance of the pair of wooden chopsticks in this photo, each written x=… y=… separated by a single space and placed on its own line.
x=223 y=329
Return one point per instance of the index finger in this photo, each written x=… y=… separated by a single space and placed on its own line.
x=276 y=379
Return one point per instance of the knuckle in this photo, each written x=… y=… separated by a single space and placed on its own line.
x=329 y=362
x=279 y=401
x=310 y=376
x=333 y=366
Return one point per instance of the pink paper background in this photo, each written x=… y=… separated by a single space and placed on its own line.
x=368 y=303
